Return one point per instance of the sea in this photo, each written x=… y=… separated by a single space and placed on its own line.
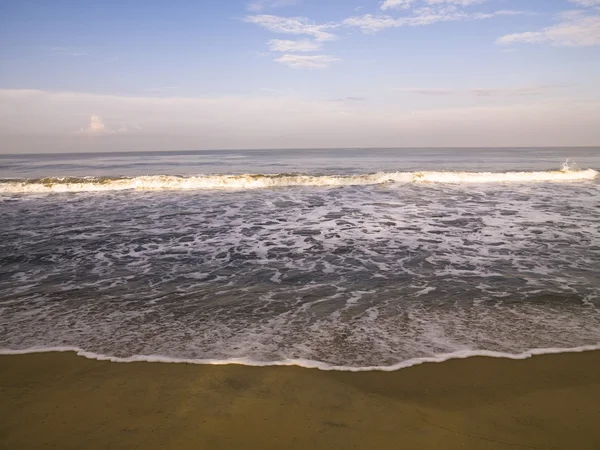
x=345 y=259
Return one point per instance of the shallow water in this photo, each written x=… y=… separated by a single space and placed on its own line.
x=344 y=274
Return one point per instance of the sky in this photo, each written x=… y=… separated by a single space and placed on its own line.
x=135 y=75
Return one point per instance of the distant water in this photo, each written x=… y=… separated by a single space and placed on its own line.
x=330 y=258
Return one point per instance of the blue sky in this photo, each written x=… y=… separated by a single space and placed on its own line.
x=149 y=75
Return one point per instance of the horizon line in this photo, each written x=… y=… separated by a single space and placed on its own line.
x=466 y=147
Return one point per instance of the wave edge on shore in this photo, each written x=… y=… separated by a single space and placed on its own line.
x=306 y=364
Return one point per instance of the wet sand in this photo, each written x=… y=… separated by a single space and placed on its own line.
x=62 y=401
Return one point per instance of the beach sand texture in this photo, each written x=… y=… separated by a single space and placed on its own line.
x=63 y=401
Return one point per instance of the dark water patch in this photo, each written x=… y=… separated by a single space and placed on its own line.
x=556 y=298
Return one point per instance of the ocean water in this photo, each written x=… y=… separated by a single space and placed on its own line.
x=352 y=259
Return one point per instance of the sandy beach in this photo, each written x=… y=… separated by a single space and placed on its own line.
x=63 y=401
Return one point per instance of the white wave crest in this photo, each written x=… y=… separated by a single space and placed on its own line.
x=260 y=181
x=304 y=363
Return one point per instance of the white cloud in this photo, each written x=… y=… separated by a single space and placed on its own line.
x=260 y=5
x=293 y=25
x=587 y=3
x=399 y=4
x=423 y=12
x=95 y=127
x=575 y=30
x=306 y=61
x=405 y=4
x=297 y=26
x=431 y=12
x=369 y=23
x=304 y=45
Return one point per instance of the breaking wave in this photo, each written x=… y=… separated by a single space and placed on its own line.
x=261 y=181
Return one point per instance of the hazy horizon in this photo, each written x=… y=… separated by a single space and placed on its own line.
x=274 y=149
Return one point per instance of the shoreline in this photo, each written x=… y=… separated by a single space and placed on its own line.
x=302 y=363
x=61 y=400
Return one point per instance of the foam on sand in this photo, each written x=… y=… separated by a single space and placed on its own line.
x=307 y=364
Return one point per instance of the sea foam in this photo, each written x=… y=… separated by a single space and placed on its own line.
x=304 y=363
x=261 y=181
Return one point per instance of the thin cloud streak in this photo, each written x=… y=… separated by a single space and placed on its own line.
x=577 y=29
x=65 y=51
x=306 y=61
x=485 y=92
x=261 y=5
x=370 y=23
x=586 y=3
x=304 y=45
x=293 y=25
x=405 y=4
x=350 y=99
